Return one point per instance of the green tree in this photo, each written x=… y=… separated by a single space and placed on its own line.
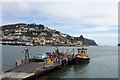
x=57 y=32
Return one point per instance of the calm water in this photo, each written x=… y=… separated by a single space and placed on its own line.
x=103 y=63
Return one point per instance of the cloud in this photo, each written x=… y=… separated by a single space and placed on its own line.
x=98 y=29
x=105 y=21
x=60 y=0
x=85 y=17
x=86 y=12
x=109 y=42
x=24 y=6
x=95 y=13
x=103 y=35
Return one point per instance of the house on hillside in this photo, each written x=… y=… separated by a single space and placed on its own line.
x=42 y=34
x=49 y=40
x=39 y=40
x=79 y=43
x=55 y=35
x=63 y=35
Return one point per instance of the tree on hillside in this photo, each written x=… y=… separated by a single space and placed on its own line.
x=41 y=26
x=68 y=37
x=81 y=37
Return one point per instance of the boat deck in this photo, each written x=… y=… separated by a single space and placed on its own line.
x=27 y=70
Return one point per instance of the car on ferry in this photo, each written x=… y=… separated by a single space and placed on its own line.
x=41 y=57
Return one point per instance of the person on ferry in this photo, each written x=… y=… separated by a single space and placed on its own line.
x=52 y=56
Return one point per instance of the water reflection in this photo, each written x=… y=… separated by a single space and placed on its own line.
x=70 y=71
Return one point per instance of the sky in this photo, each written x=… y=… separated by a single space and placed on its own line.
x=95 y=19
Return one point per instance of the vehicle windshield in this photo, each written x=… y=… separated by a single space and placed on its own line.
x=39 y=54
x=45 y=55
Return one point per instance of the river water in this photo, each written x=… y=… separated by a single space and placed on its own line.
x=103 y=63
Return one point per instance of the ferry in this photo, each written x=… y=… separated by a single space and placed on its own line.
x=82 y=56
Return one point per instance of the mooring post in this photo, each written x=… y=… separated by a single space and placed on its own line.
x=73 y=51
x=67 y=51
x=26 y=55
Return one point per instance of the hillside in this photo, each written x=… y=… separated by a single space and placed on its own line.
x=86 y=41
x=39 y=34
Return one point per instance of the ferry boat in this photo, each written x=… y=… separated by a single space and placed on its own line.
x=82 y=56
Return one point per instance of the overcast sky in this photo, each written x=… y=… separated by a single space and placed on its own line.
x=96 y=20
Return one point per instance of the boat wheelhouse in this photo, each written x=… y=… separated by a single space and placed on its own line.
x=82 y=55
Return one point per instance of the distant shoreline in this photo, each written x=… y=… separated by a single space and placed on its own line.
x=68 y=45
x=51 y=45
